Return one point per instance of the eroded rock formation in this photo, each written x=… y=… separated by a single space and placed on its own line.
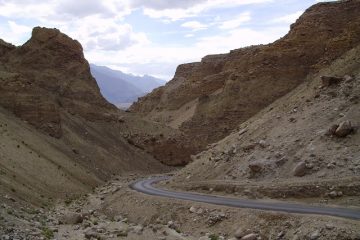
x=209 y=99
x=47 y=73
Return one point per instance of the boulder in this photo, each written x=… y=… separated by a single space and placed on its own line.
x=344 y=129
x=239 y=233
x=332 y=129
x=262 y=143
x=315 y=235
x=334 y=194
x=251 y=236
x=330 y=80
x=300 y=169
x=71 y=218
x=92 y=234
x=193 y=209
x=204 y=238
x=256 y=166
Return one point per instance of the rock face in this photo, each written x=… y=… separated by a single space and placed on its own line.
x=320 y=148
x=5 y=47
x=76 y=139
x=48 y=80
x=47 y=73
x=207 y=100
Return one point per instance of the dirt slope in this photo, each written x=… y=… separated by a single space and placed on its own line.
x=305 y=144
x=207 y=100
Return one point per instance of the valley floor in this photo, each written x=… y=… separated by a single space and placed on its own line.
x=114 y=211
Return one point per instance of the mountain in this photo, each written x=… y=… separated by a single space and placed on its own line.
x=208 y=100
x=305 y=145
x=120 y=88
x=59 y=136
x=277 y=124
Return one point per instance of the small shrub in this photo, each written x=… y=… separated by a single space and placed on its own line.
x=68 y=201
x=47 y=233
x=214 y=237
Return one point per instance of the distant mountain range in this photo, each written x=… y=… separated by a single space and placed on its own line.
x=123 y=89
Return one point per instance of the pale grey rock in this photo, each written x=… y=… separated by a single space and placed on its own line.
x=251 y=236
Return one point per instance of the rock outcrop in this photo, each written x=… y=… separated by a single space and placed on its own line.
x=207 y=100
x=47 y=73
x=5 y=47
x=66 y=138
x=47 y=82
x=312 y=145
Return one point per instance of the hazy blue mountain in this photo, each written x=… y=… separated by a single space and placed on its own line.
x=120 y=88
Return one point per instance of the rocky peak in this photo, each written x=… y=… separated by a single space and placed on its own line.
x=53 y=39
x=48 y=76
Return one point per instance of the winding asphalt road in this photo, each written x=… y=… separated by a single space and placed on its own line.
x=146 y=186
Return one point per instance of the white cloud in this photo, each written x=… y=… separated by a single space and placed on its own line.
x=194 y=25
x=61 y=9
x=92 y=22
x=96 y=33
x=24 y=9
x=165 y=4
x=141 y=59
x=288 y=19
x=240 y=38
x=82 y=8
x=14 y=32
x=18 y=29
x=236 y=22
x=175 y=14
x=169 y=14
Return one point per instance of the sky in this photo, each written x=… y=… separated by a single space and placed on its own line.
x=153 y=36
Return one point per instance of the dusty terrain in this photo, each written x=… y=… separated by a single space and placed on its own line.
x=209 y=99
x=113 y=211
x=282 y=119
x=59 y=136
x=304 y=145
x=47 y=83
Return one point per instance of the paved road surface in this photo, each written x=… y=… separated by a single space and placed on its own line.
x=146 y=186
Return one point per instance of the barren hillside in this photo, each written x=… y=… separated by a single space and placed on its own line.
x=209 y=99
x=304 y=145
x=83 y=139
x=274 y=127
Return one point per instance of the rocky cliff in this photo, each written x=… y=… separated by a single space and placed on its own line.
x=47 y=82
x=304 y=145
x=58 y=135
x=47 y=73
x=207 y=100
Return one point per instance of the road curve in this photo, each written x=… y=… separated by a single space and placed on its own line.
x=146 y=186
